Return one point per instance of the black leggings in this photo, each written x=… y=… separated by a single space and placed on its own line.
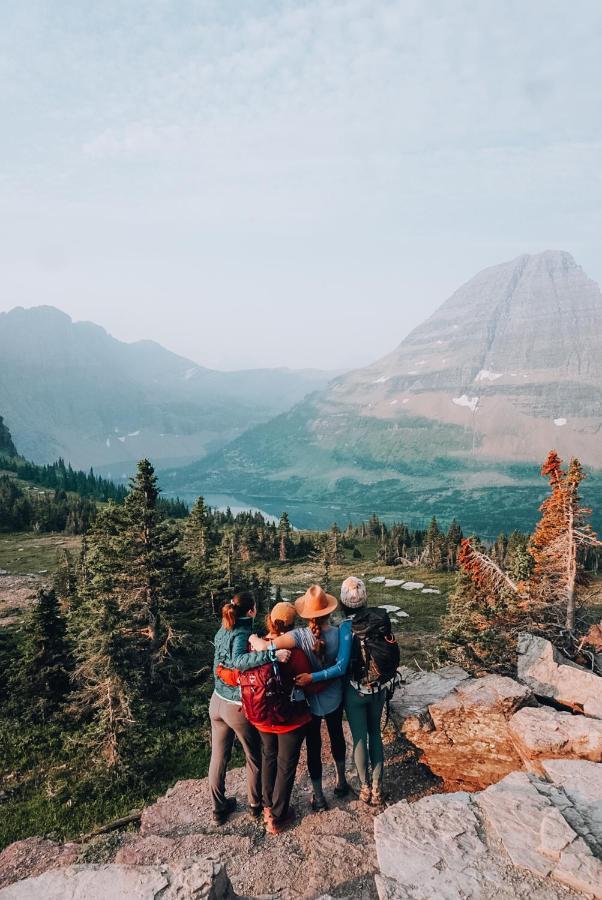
x=334 y=723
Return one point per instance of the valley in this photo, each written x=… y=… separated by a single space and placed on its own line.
x=455 y=421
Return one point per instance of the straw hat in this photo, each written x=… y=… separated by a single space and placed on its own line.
x=315 y=603
x=283 y=612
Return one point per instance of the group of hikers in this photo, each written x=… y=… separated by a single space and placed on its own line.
x=273 y=694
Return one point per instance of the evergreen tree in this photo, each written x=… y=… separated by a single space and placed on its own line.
x=560 y=535
x=478 y=630
x=42 y=677
x=284 y=538
x=132 y=618
x=335 y=545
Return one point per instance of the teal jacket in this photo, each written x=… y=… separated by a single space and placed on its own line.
x=231 y=651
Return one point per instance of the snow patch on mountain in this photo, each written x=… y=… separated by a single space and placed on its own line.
x=381 y=380
x=560 y=422
x=487 y=375
x=471 y=403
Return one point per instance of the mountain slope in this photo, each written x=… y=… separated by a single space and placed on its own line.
x=7 y=448
x=70 y=389
x=472 y=399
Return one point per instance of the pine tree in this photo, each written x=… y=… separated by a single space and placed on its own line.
x=478 y=631
x=284 y=538
x=42 y=676
x=196 y=537
x=131 y=620
x=454 y=538
x=434 y=549
x=560 y=535
x=335 y=545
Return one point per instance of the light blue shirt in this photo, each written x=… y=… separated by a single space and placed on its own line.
x=337 y=642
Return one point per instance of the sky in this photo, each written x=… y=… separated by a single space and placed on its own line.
x=290 y=182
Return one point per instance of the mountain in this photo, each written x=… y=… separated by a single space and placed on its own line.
x=460 y=414
x=7 y=448
x=70 y=389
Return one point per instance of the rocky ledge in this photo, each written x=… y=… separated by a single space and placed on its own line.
x=524 y=837
x=521 y=816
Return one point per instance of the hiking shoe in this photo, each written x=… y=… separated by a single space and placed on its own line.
x=277 y=827
x=220 y=817
x=365 y=794
x=256 y=811
x=378 y=797
x=319 y=804
x=267 y=815
x=341 y=790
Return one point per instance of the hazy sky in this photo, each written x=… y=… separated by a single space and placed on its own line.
x=290 y=182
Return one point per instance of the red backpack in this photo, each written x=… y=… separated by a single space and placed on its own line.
x=269 y=695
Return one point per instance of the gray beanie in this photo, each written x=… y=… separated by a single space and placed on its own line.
x=353 y=593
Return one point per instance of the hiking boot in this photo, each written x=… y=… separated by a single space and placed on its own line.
x=342 y=789
x=256 y=811
x=267 y=816
x=319 y=804
x=378 y=798
x=277 y=827
x=220 y=817
x=365 y=794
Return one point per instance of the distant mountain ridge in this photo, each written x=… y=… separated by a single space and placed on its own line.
x=471 y=401
x=69 y=389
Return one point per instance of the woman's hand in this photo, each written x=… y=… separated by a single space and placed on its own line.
x=257 y=644
x=283 y=655
x=303 y=680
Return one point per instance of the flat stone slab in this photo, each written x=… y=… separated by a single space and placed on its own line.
x=420 y=689
x=548 y=733
x=550 y=674
x=581 y=781
x=204 y=879
x=521 y=838
x=543 y=831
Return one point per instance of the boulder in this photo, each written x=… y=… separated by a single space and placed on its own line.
x=34 y=855
x=546 y=733
x=520 y=838
x=464 y=737
x=420 y=689
x=203 y=879
x=551 y=675
x=544 y=831
x=581 y=781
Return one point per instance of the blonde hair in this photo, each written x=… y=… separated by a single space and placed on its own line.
x=315 y=625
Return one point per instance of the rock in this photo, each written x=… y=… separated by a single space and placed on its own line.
x=531 y=819
x=581 y=781
x=547 y=733
x=464 y=737
x=203 y=879
x=423 y=688
x=520 y=838
x=34 y=856
x=179 y=826
x=550 y=674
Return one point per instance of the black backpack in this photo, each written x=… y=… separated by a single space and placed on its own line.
x=376 y=652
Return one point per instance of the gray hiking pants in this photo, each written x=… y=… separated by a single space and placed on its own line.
x=228 y=721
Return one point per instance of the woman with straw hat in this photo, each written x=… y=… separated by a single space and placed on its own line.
x=320 y=643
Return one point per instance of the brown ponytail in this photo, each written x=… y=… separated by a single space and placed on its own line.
x=239 y=607
x=315 y=626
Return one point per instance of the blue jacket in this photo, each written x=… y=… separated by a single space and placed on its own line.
x=231 y=651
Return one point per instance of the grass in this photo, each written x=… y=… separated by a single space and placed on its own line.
x=28 y=552
x=415 y=633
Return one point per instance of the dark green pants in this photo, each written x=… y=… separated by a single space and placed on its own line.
x=364 y=712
